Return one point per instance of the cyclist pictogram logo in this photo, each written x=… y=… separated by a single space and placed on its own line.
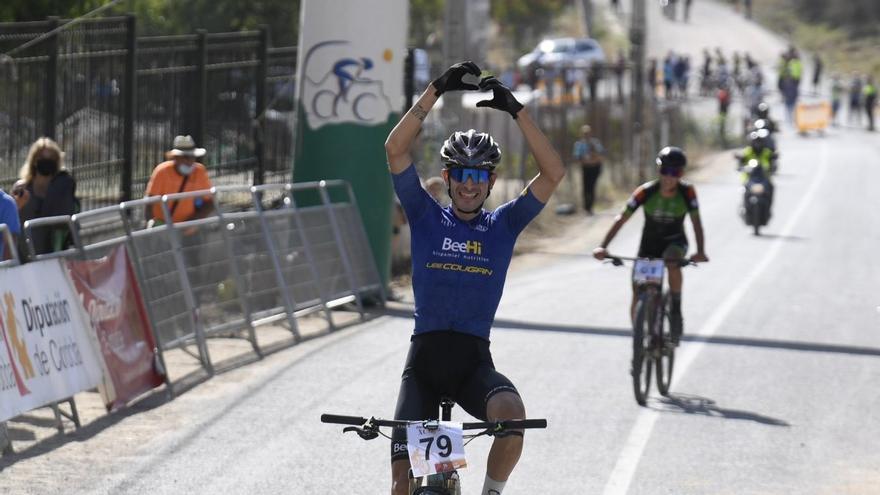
x=340 y=87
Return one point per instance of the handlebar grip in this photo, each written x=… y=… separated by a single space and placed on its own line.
x=343 y=420
x=517 y=424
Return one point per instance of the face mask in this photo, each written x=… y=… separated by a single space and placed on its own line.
x=185 y=169
x=47 y=166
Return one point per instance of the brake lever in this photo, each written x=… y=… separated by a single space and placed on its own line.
x=366 y=432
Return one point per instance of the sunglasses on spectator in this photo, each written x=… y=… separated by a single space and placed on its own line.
x=462 y=174
x=672 y=171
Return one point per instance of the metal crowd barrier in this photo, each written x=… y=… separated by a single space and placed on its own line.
x=236 y=269
x=228 y=273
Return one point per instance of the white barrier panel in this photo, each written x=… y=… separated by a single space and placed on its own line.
x=47 y=353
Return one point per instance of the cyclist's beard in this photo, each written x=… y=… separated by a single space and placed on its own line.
x=478 y=208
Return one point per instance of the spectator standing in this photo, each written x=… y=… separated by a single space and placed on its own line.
x=651 y=77
x=870 y=93
x=855 y=100
x=619 y=69
x=588 y=151
x=687 y=10
x=724 y=98
x=682 y=73
x=836 y=95
x=594 y=73
x=669 y=74
x=817 y=72
x=45 y=188
x=180 y=173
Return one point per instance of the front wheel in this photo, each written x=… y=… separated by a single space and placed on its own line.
x=666 y=359
x=756 y=218
x=641 y=360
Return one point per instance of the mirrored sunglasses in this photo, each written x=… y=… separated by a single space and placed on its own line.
x=672 y=171
x=462 y=174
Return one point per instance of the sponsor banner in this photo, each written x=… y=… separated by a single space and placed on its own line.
x=109 y=292
x=47 y=353
x=351 y=61
x=349 y=97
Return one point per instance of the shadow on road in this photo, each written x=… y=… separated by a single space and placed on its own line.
x=770 y=237
x=702 y=406
x=536 y=326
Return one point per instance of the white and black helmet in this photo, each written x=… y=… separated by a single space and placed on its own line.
x=470 y=149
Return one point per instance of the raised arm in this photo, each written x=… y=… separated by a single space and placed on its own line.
x=550 y=167
x=399 y=143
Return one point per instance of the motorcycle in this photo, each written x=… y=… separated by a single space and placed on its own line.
x=757 y=197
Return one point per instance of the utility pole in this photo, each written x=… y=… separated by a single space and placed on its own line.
x=638 y=35
x=588 y=16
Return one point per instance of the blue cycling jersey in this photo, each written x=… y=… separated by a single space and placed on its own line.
x=459 y=267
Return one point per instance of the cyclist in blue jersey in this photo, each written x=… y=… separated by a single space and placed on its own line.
x=460 y=256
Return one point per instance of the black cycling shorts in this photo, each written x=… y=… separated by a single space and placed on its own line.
x=671 y=246
x=445 y=364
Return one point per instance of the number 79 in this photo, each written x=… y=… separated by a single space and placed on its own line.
x=444 y=443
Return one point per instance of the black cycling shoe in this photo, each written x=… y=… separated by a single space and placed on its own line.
x=676 y=323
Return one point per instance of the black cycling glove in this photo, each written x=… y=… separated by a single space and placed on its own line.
x=502 y=98
x=451 y=79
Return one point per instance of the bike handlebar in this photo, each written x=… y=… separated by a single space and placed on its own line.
x=510 y=424
x=618 y=260
x=343 y=420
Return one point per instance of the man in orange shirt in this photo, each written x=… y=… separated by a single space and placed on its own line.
x=181 y=173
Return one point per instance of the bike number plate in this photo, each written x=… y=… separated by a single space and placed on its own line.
x=435 y=450
x=648 y=271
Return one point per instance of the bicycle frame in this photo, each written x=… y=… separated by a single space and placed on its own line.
x=652 y=349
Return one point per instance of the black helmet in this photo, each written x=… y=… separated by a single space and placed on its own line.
x=671 y=156
x=763 y=110
x=470 y=149
x=758 y=139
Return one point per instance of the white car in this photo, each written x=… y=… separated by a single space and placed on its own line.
x=562 y=53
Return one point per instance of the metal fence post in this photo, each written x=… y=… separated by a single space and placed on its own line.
x=260 y=103
x=130 y=103
x=139 y=273
x=363 y=235
x=236 y=274
x=289 y=303
x=50 y=99
x=297 y=218
x=201 y=87
x=188 y=296
x=343 y=251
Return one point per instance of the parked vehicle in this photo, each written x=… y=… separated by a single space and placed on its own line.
x=559 y=53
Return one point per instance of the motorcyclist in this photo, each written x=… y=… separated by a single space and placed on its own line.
x=771 y=129
x=762 y=112
x=760 y=151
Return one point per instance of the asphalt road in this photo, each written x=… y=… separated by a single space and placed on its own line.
x=773 y=390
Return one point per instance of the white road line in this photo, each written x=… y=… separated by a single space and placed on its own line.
x=625 y=468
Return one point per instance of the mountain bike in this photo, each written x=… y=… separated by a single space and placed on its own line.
x=436 y=447
x=652 y=343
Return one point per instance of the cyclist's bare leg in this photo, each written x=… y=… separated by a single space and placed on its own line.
x=400 y=477
x=505 y=451
x=675 y=278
